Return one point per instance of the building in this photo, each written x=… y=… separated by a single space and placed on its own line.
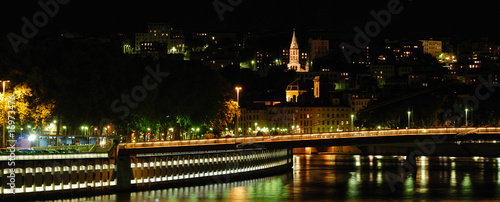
x=208 y=37
x=319 y=48
x=433 y=47
x=295 y=56
x=283 y=119
x=382 y=73
x=393 y=51
x=310 y=119
x=359 y=102
x=217 y=63
x=404 y=71
x=309 y=76
x=140 y=38
x=176 y=41
x=265 y=59
x=253 y=120
x=159 y=32
x=293 y=91
x=153 y=49
x=159 y=35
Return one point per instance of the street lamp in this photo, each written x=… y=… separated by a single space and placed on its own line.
x=238 y=103
x=88 y=135
x=352 y=122
x=466 y=121
x=409 y=113
x=3 y=98
x=31 y=138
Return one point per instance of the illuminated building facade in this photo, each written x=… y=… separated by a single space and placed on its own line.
x=164 y=38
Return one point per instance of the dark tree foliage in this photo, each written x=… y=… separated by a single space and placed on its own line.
x=84 y=76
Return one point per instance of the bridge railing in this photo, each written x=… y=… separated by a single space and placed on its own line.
x=329 y=135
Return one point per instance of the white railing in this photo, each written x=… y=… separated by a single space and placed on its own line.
x=330 y=135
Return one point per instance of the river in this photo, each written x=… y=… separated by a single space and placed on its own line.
x=347 y=177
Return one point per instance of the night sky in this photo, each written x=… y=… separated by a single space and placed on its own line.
x=419 y=19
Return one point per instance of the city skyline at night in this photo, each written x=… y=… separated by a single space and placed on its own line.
x=249 y=100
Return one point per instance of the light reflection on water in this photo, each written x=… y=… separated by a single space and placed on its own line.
x=346 y=177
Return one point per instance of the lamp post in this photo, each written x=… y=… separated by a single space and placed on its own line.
x=352 y=122
x=466 y=121
x=409 y=113
x=88 y=134
x=238 y=103
x=3 y=99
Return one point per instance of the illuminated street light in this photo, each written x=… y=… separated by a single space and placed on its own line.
x=352 y=122
x=466 y=118
x=238 y=103
x=88 y=134
x=409 y=113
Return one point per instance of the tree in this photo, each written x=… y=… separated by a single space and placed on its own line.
x=225 y=116
x=27 y=107
x=392 y=111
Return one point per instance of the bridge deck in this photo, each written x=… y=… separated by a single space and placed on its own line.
x=304 y=140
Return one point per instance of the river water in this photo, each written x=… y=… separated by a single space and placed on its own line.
x=347 y=177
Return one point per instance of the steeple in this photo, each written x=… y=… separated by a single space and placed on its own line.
x=294 y=43
x=294 y=56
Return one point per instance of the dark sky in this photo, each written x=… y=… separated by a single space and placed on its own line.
x=420 y=18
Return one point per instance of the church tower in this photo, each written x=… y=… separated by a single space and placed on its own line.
x=294 y=56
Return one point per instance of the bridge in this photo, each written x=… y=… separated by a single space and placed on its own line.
x=399 y=138
x=144 y=165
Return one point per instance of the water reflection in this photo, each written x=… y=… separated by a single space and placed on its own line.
x=346 y=177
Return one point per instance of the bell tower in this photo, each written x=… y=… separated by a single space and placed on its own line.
x=294 y=56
